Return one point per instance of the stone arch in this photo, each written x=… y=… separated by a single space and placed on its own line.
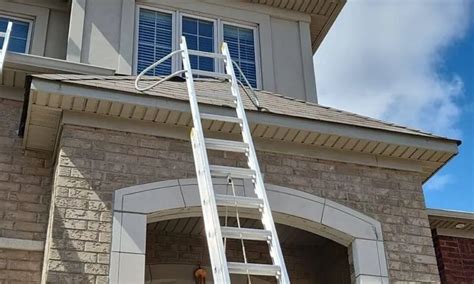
x=136 y=205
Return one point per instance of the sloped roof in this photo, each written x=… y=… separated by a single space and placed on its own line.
x=218 y=93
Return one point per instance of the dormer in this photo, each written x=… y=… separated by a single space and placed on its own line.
x=272 y=41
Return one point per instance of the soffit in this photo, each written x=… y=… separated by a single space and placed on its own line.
x=445 y=219
x=323 y=14
x=194 y=226
x=284 y=120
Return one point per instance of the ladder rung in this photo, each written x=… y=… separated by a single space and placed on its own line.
x=224 y=171
x=226 y=145
x=239 y=201
x=211 y=74
x=253 y=269
x=246 y=234
x=206 y=54
x=231 y=119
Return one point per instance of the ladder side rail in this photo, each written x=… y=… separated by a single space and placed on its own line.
x=6 y=40
x=211 y=218
x=267 y=219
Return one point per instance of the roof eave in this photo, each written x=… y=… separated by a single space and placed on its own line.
x=439 y=145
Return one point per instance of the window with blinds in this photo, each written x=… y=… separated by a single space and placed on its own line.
x=158 y=33
x=155 y=40
x=199 y=35
x=241 y=42
x=19 y=37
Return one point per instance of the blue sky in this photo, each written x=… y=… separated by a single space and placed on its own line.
x=412 y=63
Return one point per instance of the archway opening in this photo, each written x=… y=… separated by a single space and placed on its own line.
x=175 y=248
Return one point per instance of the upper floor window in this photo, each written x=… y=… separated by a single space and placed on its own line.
x=20 y=34
x=158 y=34
x=199 y=34
x=155 y=40
x=241 y=42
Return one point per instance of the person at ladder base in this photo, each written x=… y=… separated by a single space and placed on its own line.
x=216 y=234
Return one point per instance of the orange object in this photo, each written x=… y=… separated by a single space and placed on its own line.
x=200 y=275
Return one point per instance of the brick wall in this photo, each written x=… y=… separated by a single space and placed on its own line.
x=455 y=259
x=25 y=185
x=93 y=163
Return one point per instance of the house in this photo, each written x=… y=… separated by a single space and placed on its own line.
x=453 y=237
x=97 y=180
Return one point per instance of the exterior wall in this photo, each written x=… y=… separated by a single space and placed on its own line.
x=50 y=24
x=18 y=266
x=93 y=163
x=455 y=257
x=25 y=180
x=284 y=37
x=56 y=41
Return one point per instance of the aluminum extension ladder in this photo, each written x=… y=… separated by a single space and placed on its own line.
x=215 y=233
x=6 y=38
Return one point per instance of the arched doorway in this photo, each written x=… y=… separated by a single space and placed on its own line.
x=136 y=206
x=176 y=248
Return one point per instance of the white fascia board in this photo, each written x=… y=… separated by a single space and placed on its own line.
x=450 y=214
x=70 y=89
x=39 y=64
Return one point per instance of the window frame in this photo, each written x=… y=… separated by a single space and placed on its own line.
x=256 y=37
x=30 y=28
x=173 y=33
x=215 y=34
x=177 y=31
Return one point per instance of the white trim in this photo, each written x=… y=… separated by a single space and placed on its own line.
x=31 y=63
x=179 y=198
x=450 y=214
x=21 y=244
x=30 y=28
x=457 y=233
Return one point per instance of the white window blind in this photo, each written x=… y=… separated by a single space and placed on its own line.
x=19 y=35
x=241 y=42
x=155 y=38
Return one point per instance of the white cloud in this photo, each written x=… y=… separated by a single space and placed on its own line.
x=383 y=59
x=438 y=182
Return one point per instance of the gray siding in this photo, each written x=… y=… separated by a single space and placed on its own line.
x=101 y=33
x=50 y=24
x=56 y=40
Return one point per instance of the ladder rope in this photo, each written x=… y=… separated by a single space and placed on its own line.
x=230 y=181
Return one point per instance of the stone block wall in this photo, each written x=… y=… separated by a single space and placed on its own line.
x=25 y=186
x=93 y=163
x=455 y=257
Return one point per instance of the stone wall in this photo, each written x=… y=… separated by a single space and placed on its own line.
x=455 y=259
x=25 y=186
x=93 y=163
